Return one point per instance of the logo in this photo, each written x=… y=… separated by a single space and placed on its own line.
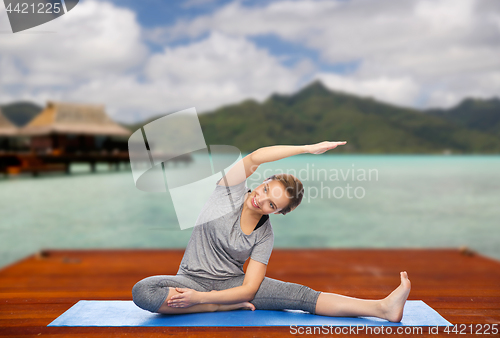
x=170 y=154
x=26 y=14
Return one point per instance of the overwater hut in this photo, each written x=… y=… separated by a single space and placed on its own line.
x=8 y=134
x=68 y=128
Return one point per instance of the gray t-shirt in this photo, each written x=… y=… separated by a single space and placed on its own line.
x=218 y=248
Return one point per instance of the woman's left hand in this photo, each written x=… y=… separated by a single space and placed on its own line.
x=185 y=298
x=320 y=148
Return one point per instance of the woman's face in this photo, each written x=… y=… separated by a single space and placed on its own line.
x=268 y=198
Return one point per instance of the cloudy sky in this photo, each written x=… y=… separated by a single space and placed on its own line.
x=149 y=57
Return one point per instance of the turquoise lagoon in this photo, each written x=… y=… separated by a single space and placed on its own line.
x=351 y=201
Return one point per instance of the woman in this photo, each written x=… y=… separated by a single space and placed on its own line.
x=211 y=278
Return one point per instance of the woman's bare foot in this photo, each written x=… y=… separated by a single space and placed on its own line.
x=241 y=306
x=392 y=305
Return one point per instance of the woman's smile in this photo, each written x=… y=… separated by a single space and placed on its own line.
x=254 y=203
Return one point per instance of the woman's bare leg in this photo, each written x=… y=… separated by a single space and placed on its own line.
x=164 y=308
x=389 y=308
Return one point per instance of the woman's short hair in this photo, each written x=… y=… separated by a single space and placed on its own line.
x=293 y=188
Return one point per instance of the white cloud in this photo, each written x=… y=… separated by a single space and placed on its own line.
x=436 y=44
x=440 y=15
x=221 y=59
x=410 y=52
x=96 y=54
x=398 y=91
x=10 y=74
x=485 y=84
x=217 y=70
x=95 y=40
x=289 y=19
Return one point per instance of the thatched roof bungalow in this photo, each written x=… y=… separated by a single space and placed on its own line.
x=69 y=127
x=70 y=118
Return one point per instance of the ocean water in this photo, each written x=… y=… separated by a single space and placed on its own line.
x=360 y=201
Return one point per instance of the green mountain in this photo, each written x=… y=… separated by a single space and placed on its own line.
x=20 y=113
x=477 y=114
x=316 y=114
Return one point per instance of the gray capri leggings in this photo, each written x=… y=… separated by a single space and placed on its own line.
x=150 y=293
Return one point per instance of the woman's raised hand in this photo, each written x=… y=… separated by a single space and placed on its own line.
x=320 y=148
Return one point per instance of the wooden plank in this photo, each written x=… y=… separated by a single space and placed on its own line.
x=464 y=288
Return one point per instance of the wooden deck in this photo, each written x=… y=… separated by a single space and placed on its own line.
x=463 y=287
x=14 y=163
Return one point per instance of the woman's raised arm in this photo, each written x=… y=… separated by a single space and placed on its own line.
x=247 y=166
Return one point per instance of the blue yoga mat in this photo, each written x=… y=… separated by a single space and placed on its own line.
x=126 y=313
